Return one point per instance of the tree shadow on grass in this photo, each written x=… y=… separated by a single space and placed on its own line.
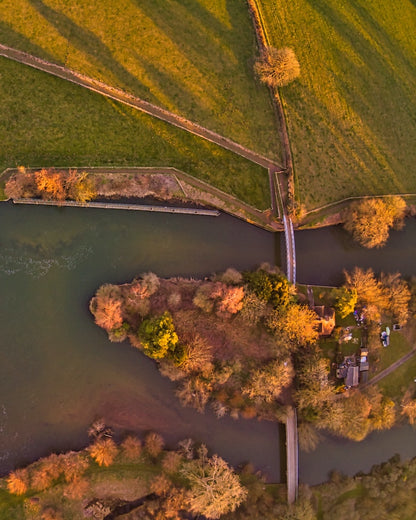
x=88 y=43
x=11 y=38
x=376 y=90
x=208 y=44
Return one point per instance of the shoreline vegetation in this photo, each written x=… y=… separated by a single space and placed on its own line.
x=247 y=344
x=108 y=479
x=375 y=215
x=167 y=185
x=139 y=478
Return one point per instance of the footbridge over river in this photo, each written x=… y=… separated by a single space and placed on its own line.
x=292 y=459
x=292 y=456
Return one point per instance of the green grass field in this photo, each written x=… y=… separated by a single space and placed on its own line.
x=399 y=346
x=351 y=114
x=395 y=384
x=192 y=57
x=51 y=122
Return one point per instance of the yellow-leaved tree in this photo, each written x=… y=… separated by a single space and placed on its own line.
x=370 y=220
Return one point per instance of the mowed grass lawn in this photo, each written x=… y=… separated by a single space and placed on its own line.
x=395 y=384
x=47 y=121
x=351 y=114
x=193 y=57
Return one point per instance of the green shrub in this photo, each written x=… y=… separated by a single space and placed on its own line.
x=269 y=287
x=158 y=336
x=120 y=334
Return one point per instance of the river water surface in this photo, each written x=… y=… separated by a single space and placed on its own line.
x=58 y=371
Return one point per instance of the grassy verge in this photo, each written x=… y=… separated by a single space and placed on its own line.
x=194 y=58
x=350 y=113
x=395 y=384
x=399 y=346
x=54 y=123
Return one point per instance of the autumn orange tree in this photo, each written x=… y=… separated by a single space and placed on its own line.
x=297 y=325
x=370 y=291
x=277 y=67
x=106 y=307
x=18 y=481
x=398 y=294
x=51 y=185
x=154 y=444
x=408 y=407
x=370 y=220
x=103 y=451
x=132 y=447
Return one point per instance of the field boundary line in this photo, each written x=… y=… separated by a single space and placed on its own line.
x=359 y=197
x=137 y=103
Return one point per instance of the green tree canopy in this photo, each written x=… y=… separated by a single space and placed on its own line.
x=270 y=287
x=158 y=336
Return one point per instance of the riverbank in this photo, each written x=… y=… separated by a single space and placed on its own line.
x=164 y=184
x=334 y=214
x=137 y=482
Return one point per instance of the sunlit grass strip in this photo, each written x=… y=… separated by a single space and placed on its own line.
x=193 y=58
x=53 y=123
x=350 y=113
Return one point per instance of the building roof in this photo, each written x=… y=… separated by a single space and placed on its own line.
x=352 y=376
x=326 y=319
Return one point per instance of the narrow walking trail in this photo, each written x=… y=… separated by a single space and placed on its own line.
x=391 y=368
x=137 y=103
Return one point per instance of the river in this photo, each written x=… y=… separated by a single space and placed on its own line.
x=322 y=254
x=58 y=371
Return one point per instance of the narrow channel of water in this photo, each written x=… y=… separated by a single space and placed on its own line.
x=350 y=457
x=58 y=371
x=322 y=254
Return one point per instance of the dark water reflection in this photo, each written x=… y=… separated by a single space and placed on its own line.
x=322 y=254
x=58 y=371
